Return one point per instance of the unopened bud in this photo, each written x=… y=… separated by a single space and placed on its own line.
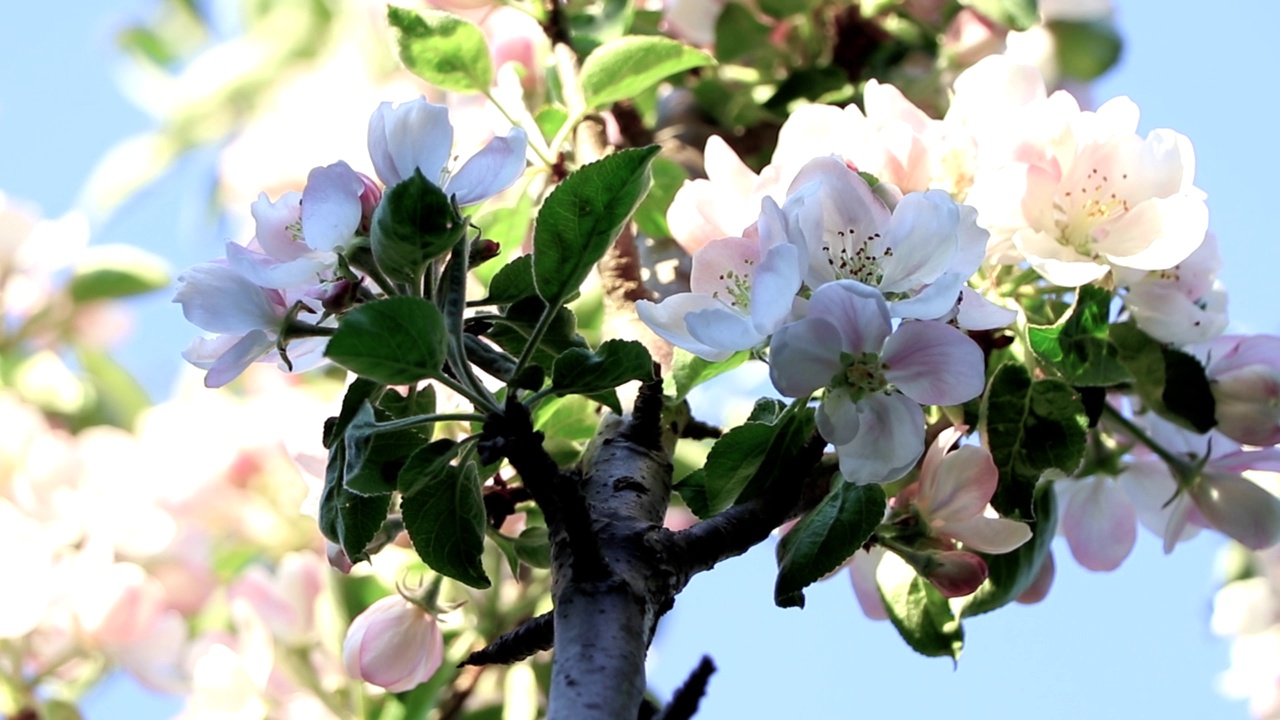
x=337 y=557
x=955 y=573
x=370 y=196
x=339 y=295
x=482 y=250
x=1239 y=508
x=393 y=644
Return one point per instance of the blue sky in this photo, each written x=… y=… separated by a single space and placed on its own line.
x=1134 y=643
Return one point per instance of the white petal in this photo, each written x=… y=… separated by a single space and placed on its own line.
x=933 y=363
x=978 y=313
x=1157 y=234
x=934 y=302
x=490 y=171
x=273 y=225
x=722 y=328
x=1099 y=524
x=859 y=313
x=989 y=535
x=890 y=440
x=804 y=356
x=667 y=320
x=239 y=356
x=924 y=240
x=959 y=488
x=415 y=134
x=774 y=286
x=331 y=207
x=219 y=299
x=862 y=571
x=838 y=417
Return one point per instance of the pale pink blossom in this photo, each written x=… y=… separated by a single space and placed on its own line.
x=1182 y=305
x=393 y=644
x=725 y=203
x=286 y=599
x=1244 y=373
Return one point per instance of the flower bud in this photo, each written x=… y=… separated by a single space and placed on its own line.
x=393 y=644
x=955 y=573
x=337 y=558
x=1239 y=508
x=370 y=196
x=1248 y=404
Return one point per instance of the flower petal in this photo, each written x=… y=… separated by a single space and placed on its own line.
x=804 y=356
x=331 y=207
x=721 y=328
x=838 y=417
x=412 y=135
x=1098 y=521
x=667 y=320
x=858 y=312
x=960 y=488
x=989 y=535
x=216 y=298
x=238 y=357
x=490 y=171
x=934 y=363
x=774 y=286
x=890 y=440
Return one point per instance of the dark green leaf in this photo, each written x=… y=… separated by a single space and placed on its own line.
x=668 y=176
x=426 y=464
x=825 y=538
x=533 y=547
x=581 y=218
x=513 y=282
x=598 y=23
x=920 y=613
x=615 y=362
x=732 y=462
x=361 y=473
x=689 y=371
x=693 y=491
x=358 y=391
x=1077 y=344
x=1169 y=381
x=442 y=49
x=508 y=548
x=739 y=34
x=1085 y=49
x=1013 y=14
x=1029 y=427
x=1010 y=574
x=513 y=331
x=446 y=522
x=346 y=518
x=108 y=272
x=414 y=224
x=395 y=341
x=794 y=428
x=767 y=410
x=624 y=67
x=807 y=84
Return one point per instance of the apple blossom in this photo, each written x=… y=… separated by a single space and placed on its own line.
x=876 y=377
x=393 y=644
x=1182 y=305
x=724 y=203
x=1244 y=373
x=417 y=135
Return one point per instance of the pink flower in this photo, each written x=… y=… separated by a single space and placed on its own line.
x=1245 y=376
x=393 y=644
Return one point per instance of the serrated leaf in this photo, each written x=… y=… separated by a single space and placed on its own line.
x=446 y=523
x=442 y=49
x=615 y=362
x=414 y=224
x=512 y=283
x=1029 y=427
x=921 y=615
x=794 y=428
x=1010 y=574
x=395 y=341
x=109 y=272
x=625 y=67
x=767 y=410
x=357 y=392
x=825 y=538
x=693 y=491
x=732 y=462
x=349 y=519
x=581 y=218
x=739 y=34
x=426 y=464
x=533 y=547
x=1077 y=346
x=513 y=331
x=689 y=371
x=599 y=22
x=668 y=176
x=1169 y=381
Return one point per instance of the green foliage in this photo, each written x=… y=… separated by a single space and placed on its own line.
x=414 y=224
x=509 y=227
x=1169 y=381
x=587 y=372
x=533 y=547
x=786 y=8
x=512 y=330
x=581 y=218
x=117 y=397
x=1087 y=49
x=445 y=520
x=920 y=613
x=442 y=49
x=394 y=341
x=1010 y=574
x=624 y=67
x=1029 y=427
x=109 y=272
x=347 y=518
x=427 y=464
x=668 y=176
x=512 y=283
x=739 y=34
x=825 y=538
x=1077 y=345
x=689 y=371
x=1013 y=14
x=599 y=23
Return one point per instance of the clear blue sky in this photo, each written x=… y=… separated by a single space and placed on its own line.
x=1134 y=643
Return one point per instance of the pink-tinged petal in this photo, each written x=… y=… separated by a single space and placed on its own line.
x=1238 y=461
x=992 y=88
x=959 y=488
x=804 y=356
x=1239 y=508
x=1179 y=520
x=1241 y=351
x=933 y=458
x=701 y=212
x=720 y=327
x=859 y=313
x=838 y=417
x=275 y=224
x=1039 y=588
x=1167 y=314
x=265 y=272
x=667 y=320
x=933 y=363
x=956 y=573
x=416 y=134
x=1156 y=234
x=393 y=644
x=890 y=440
x=1248 y=401
x=724 y=167
x=719 y=263
x=494 y=169
x=776 y=282
x=862 y=573
x=218 y=299
x=1099 y=524
x=247 y=350
x=811 y=131
x=1150 y=488
x=331 y=209
x=978 y=313
x=989 y=535
x=934 y=302
x=847 y=199
x=925 y=241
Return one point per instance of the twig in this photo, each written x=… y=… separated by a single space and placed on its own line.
x=685 y=700
x=530 y=637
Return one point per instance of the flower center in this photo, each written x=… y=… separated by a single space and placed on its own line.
x=737 y=288
x=863 y=374
x=857 y=257
x=1085 y=209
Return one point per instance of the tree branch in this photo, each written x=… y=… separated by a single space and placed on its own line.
x=530 y=637
x=685 y=700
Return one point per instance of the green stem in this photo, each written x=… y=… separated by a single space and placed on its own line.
x=1184 y=471
x=416 y=420
x=535 y=337
x=476 y=399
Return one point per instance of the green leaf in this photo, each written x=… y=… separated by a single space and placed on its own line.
x=512 y=332
x=361 y=474
x=693 y=491
x=375 y=452
x=533 y=547
x=108 y=272
x=118 y=397
x=786 y=8
x=512 y=283
x=689 y=371
x=795 y=427
x=358 y=391
x=625 y=67
x=825 y=538
x=581 y=218
x=668 y=176
x=1013 y=14
x=446 y=522
x=1169 y=381
x=739 y=34
x=425 y=465
x=767 y=410
x=1010 y=574
x=570 y=419
x=442 y=49
x=395 y=341
x=598 y=23
x=550 y=119
x=1077 y=345
x=1029 y=427
x=920 y=613
x=585 y=372
x=349 y=519
x=749 y=458
x=507 y=226
x=414 y=224
x=1085 y=49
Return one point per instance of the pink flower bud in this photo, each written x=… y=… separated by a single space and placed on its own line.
x=956 y=573
x=370 y=196
x=393 y=644
x=337 y=557
x=1239 y=508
